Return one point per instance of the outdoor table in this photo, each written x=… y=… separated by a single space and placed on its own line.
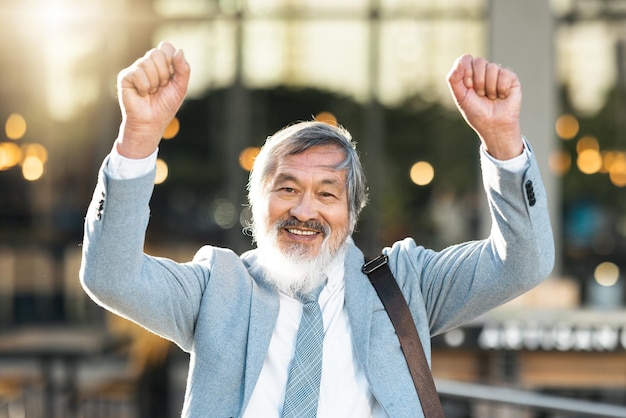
x=63 y=345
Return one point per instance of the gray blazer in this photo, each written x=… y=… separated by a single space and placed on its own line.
x=220 y=308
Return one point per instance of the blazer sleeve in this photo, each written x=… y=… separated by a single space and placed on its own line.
x=464 y=281
x=157 y=293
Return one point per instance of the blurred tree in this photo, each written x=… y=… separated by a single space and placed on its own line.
x=594 y=209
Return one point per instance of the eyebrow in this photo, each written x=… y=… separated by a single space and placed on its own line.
x=282 y=177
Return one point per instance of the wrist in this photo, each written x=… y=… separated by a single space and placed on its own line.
x=504 y=145
x=506 y=152
x=137 y=142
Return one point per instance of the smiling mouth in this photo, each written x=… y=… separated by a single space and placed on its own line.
x=301 y=232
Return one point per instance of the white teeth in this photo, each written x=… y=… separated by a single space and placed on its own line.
x=301 y=232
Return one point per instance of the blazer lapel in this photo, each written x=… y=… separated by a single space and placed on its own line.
x=359 y=296
x=363 y=303
x=263 y=314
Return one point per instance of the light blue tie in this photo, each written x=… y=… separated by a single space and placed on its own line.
x=303 y=385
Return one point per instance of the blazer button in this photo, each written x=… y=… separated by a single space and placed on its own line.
x=100 y=208
x=530 y=193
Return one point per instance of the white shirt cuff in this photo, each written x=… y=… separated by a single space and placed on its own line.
x=122 y=168
x=514 y=164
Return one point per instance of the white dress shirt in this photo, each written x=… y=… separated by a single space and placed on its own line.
x=344 y=390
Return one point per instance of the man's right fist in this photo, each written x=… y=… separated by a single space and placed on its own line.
x=150 y=92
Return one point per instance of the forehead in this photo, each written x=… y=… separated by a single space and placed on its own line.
x=321 y=158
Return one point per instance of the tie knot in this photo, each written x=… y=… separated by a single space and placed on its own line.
x=312 y=295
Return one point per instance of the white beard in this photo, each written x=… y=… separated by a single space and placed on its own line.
x=295 y=272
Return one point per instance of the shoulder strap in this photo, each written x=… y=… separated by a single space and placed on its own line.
x=389 y=293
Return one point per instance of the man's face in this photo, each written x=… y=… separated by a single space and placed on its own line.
x=307 y=204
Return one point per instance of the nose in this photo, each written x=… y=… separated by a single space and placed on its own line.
x=304 y=208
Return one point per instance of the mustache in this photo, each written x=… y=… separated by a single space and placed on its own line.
x=294 y=223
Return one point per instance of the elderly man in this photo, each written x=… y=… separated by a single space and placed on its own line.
x=239 y=316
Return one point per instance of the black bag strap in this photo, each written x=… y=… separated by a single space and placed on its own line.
x=389 y=293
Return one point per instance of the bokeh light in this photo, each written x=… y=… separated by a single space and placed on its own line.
x=327 y=118
x=606 y=274
x=560 y=162
x=10 y=155
x=247 y=157
x=566 y=126
x=589 y=161
x=15 y=126
x=422 y=173
x=587 y=142
x=35 y=150
x=225 y=214
x=608 y=158
x=617 y=171
x=32 y=168
x=161 y=171
x=172 y=129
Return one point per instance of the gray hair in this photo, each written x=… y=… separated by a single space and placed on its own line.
x=298 y=138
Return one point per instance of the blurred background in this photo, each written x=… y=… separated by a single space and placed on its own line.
x=376 y=67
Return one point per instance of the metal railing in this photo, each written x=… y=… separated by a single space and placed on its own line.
x=472 y=392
